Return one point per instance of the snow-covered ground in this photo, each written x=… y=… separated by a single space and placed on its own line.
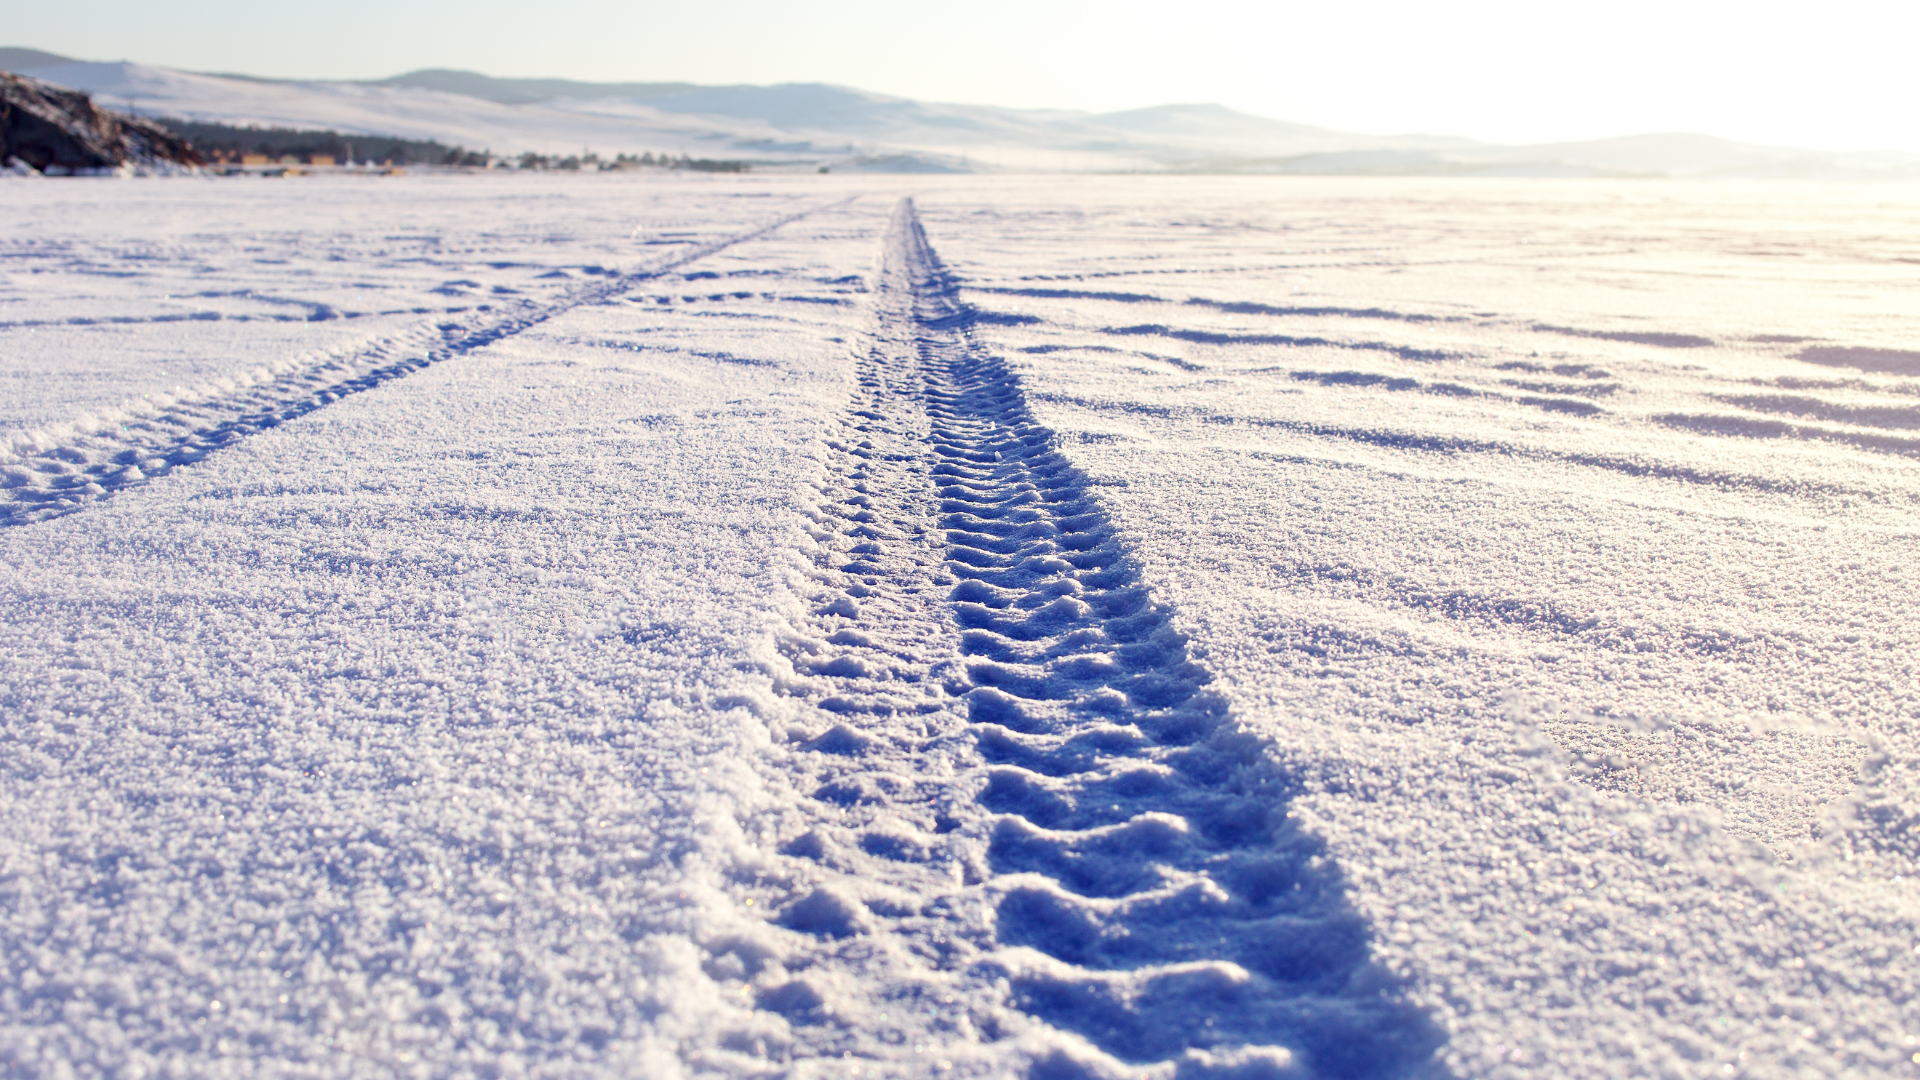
x=754 y=626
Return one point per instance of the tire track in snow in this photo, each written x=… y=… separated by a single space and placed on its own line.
x=1024 y=837
x=45 y=476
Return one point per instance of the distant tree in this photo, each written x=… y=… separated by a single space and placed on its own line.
x=710 y=165
x=230 y=141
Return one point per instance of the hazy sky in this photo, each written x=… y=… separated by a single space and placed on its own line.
x=1833 y=75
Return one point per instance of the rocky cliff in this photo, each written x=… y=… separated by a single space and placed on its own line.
x=56 y=131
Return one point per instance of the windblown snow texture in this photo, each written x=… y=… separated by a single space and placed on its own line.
x=45 y=476
x=1562 y=541
x=398 y=736
x=1185 y=628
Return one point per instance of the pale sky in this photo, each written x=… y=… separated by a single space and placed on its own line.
x=1834 y=75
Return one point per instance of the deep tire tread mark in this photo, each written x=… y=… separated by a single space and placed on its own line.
x=1011 y=708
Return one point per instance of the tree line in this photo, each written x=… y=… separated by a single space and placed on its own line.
x=213 y=140
x=229 y=141
x=590 y=160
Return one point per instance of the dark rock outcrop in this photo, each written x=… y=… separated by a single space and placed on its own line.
x=58 y=131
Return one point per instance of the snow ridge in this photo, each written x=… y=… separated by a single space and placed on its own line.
x=1025 y=836
x=48 y=474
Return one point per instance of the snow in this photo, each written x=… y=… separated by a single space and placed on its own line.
x=1578 y=679
x=1137 y=627
x=404 y=111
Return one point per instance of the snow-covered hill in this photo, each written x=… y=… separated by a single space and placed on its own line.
x=1671 y=154
x=408 y=112
x=815 y=122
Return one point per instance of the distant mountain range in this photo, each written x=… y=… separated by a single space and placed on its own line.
x=809 y=124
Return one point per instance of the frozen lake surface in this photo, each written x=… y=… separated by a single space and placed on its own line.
x=643 y=626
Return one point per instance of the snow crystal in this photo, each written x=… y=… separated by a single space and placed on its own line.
x=1146 y=627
